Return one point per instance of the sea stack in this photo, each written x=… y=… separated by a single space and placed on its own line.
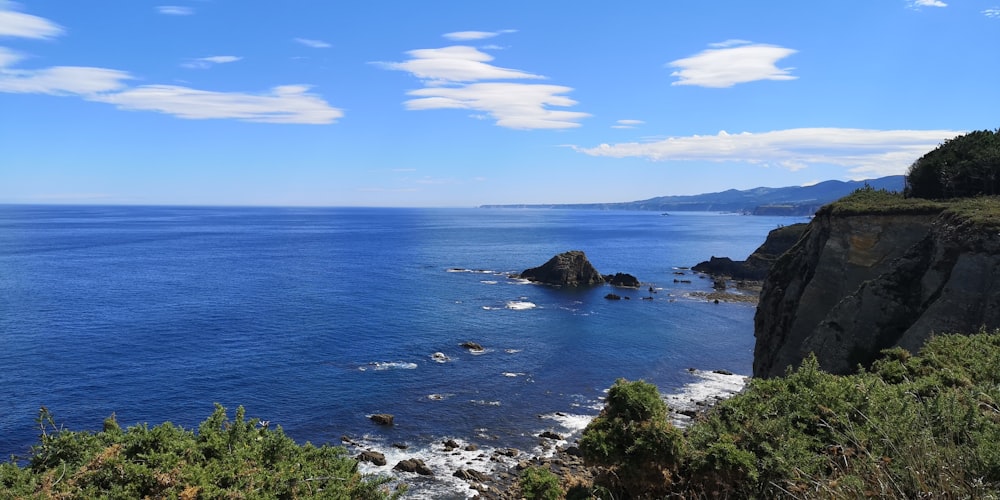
x=566 y=269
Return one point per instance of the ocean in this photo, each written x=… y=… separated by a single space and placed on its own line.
x=316 y=318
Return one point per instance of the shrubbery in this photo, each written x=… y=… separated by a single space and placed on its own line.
x=965 y=166
x=226 y=459
x=540 y=484
x=911 y=427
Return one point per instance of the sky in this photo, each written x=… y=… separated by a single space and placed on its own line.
x=463 y=103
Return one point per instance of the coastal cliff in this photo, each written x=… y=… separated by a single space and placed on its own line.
x=865 y=277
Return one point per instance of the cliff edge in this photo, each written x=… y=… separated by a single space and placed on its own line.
x=870 y=274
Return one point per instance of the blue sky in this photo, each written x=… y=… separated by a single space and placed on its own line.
x=461 y=103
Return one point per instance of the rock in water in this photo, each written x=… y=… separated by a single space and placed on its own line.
x=382 y=418
x=566 y=269
x=623 y=280
x=414 y=465
x=372 y=457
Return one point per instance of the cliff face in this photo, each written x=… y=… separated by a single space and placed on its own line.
x=856 y=284
x=760 y=261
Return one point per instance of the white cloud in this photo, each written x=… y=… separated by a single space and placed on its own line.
x=175 y=10
x=284 y=104
x=463 y=36
x=927 y=3
x=453 y=79
x=207 y=62
x=994 y=12
x=512 y=105
x=61 y=80
x=861 y=151
x=21 y=25
x=627 y=123
x=316 y=44
x=729 y=43
x=732 y=62
x=458 y=63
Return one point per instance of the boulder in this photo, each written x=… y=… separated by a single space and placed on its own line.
x=372 y=457
x=382 y=418
x=414 y=465
x=613 y=296
x=566 y=269
x=550 y=435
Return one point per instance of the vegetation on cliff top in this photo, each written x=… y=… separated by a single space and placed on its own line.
x=962 y=167
x=226 y=459
x=913 y=426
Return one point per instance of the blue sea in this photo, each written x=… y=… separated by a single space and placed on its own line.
x=316 y=318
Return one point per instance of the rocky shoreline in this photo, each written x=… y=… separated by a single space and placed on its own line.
x=468 y=471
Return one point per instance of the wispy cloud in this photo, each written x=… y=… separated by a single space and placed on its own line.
x=464 y=36
x=316 y=44
x=627 y=123
x=994 y=12
x=927 y=3
x=732 y=62
x=460 y=77
x=512 y=105
x=208 y=62
x=21 y=25
x=62 y=80
x=861 y=151
x=175 y=10
x=458 y=63
x=282 y=104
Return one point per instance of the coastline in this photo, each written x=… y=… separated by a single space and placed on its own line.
x=454 y=468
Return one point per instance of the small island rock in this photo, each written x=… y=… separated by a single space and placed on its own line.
x=566 y=269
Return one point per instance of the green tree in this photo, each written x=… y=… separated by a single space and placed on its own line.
x=965 y=166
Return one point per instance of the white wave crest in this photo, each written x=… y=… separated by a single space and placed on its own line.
x=513 y=374
x=391 y=365
x=483 y=402
x=440 y=357
x=711 y=387
x=520 y=305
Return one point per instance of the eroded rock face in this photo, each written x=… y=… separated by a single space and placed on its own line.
x=566 y=269
x=854 y=285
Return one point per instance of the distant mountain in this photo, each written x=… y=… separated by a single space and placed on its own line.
x=792 y=200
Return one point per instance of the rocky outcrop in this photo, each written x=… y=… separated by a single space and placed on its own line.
x=623 y=280
x=566 y=269
x=856 y=284
x=760 y=261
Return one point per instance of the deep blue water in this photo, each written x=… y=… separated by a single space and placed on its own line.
x=316 y=318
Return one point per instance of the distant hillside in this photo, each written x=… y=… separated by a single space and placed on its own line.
x=793 y=200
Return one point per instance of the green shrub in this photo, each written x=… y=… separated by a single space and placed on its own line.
x=540 y=484
x=227 y=458
x=633 y=437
